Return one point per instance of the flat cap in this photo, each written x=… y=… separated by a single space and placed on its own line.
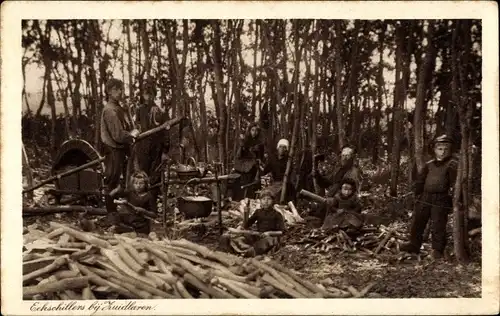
x=443 y=139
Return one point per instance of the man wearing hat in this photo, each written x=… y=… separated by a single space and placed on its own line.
x=433 y=188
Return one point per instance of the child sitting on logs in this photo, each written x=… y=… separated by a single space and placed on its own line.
x=137 y=206
x=344 y=209
x=270 y=224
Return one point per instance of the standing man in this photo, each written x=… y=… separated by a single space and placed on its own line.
x=116 y=135
x=149 y=151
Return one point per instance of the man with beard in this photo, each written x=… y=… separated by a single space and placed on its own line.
x=346 y=169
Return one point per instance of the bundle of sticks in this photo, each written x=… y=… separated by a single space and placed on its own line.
x=66 y=263
x=370 y=240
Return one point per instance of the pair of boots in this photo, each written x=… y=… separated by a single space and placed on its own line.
x=410 y=248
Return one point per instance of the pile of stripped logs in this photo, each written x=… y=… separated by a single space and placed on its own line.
x=66 y=263
x=370 y=240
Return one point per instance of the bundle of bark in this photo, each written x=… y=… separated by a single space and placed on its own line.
x=369 y=240
x=66 y=263
x=289 y=211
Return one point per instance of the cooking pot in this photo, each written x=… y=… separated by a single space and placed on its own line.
x=194 y=206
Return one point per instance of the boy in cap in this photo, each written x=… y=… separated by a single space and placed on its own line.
x=433 y=188
x=116 y=135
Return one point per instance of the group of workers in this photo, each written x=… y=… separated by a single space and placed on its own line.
x=142 y=167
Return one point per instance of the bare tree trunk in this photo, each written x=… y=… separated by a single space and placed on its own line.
x=94 y=100
x=147 y=55
x=285 y=111
x=306 y=102
x=315 y=109
x=396 y=116
x=201 y=97
x=28 y=171
x=380 y=93
x=219 y=91
x=237 y=84
x=46 y=77
x=296 y=109
x=52 y=103
x=423 y=83
x=338 y=83
x=126 y=23
x=42 y=101
x=23 y=71
x=254 y=70
x=351 y=89
x=64 y=96
x=465 y=110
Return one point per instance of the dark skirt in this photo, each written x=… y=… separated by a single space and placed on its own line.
x=245 y=178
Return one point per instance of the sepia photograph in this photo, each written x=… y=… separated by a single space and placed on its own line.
x=251 y=158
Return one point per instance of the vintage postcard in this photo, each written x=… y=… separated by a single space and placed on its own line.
x=313 y=158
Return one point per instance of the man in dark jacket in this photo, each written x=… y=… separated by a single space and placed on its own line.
x=150 y=150
x=433 y=188
x=345 y=169
x=116 y=135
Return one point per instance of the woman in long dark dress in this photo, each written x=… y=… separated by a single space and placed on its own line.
x=248 y=157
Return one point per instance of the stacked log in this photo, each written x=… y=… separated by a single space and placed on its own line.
x=67 y=263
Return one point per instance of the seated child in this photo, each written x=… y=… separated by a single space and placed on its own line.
x=344 y=209
x=267 y=220
x=129 y=217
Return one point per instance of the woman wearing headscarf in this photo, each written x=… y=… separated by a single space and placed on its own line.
x=248 y=158
x=277 y=168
